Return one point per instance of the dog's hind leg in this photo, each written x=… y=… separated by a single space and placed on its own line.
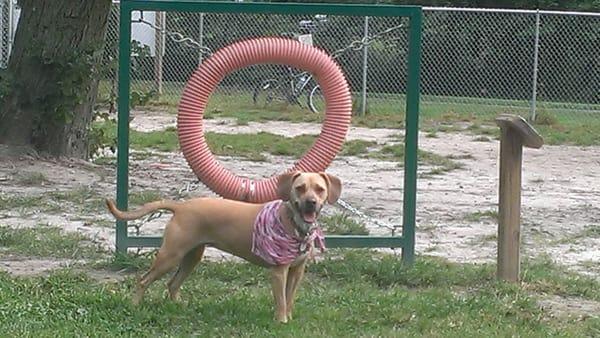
x=175 y=246
x=187 y=265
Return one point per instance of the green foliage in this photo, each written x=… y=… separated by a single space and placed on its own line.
x=67 y=78
x=99 y=134
x=141 y=98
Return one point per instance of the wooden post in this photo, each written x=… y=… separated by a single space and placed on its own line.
x=515 y=133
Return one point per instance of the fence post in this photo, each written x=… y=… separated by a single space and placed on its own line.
x=363 y=104
x=536 y=49
x=11 y=28
x=161 y=24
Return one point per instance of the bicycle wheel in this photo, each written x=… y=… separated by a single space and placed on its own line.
x=316 y=101
x=268 y=92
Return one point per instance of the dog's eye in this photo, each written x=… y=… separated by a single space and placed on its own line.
x=301 y=189
x=319 y=189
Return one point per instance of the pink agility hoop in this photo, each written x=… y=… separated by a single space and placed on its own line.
x=241 y=54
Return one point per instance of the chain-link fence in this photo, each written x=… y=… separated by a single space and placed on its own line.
x=478 y=61
x=7 y=29
x=169 y=46
x=525 y=61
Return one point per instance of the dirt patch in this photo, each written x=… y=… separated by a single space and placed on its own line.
x=560 y=198
x=570 y=307
x=29 y=267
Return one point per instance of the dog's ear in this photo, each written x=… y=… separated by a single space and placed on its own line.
x=284 y=184
x=334 y=187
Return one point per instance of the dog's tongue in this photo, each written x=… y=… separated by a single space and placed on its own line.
x=309 y=217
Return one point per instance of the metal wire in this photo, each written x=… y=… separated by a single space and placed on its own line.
x=368 y=219
x=473 y=60
x=364 y=42
x=176 y=37
x=195 y=185
x=181 y=192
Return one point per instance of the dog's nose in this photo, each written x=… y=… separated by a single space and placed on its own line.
x=311 y=203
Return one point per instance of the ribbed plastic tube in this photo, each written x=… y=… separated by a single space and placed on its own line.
x=266 y=50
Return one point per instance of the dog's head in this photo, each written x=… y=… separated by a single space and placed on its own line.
x=308 y=192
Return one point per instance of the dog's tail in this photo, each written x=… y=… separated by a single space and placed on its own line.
x=144 y=210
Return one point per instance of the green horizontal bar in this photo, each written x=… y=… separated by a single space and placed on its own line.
x=364 y=242
x=271 y=8
x=143 y=242
x=331 y=242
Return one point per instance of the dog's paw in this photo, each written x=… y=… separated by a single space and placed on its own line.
x=175 y=297
x=282 y=319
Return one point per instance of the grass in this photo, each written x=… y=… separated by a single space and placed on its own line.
x=357 y=147
x=81 y=198
x=19 y=202
x=441 y=164
x=341 y=224
x=31 y=179
x=254 y=147
x=249 y=146
x=589 y=231
x=484 y=239
x=349 y=293
x=478 y=216
x=358 y=293
x=45 y=241
x=556 y=122
x=142 y=197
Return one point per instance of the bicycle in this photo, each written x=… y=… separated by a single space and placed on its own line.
x=292 y=85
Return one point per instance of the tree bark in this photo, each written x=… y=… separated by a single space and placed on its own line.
x=52 y=75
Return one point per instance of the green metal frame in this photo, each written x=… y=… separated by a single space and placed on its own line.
x=407 y=240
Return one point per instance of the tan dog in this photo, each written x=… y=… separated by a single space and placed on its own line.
x=228 y=225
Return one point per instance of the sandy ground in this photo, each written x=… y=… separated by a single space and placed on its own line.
x=560 y=202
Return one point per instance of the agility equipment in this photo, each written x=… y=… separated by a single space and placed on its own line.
x=271 y=50
x=412 y=15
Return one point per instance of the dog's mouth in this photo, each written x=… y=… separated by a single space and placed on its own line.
x=309 y=216
x=308 y=212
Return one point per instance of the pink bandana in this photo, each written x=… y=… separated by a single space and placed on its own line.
x=271 y=242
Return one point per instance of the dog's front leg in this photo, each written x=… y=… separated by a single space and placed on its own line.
x=295 y=275
x=278 y=283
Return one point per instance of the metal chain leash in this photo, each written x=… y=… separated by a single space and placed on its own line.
x=176 y=36
x=195 y=185
x=347 y=206
x=137 y=225
x=364 y=42
x=191 y=43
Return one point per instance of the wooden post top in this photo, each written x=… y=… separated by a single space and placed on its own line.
x=531 y=138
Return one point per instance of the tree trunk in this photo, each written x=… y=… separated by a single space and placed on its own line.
x=52 y=81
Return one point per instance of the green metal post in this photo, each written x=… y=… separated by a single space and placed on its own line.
x=411 y=138
x=123 y=123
